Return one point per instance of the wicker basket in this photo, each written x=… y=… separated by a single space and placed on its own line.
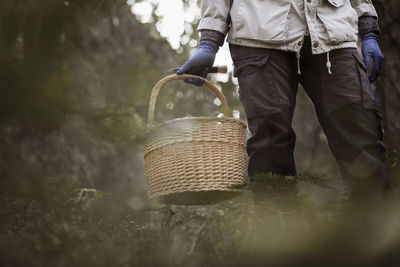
x=194 y=160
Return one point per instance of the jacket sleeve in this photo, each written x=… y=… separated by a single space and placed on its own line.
x=367 y=15
x=364 y=8
x=214 y=15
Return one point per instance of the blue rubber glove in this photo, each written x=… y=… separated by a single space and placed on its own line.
x=370 y=50
x=202 y=60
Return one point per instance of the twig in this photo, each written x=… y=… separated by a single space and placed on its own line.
x=281 y=220
x=196 y=238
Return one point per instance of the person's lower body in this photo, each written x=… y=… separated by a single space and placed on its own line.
x=344 y=100
x=267 y=92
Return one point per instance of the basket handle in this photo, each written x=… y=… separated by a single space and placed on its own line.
x=163 y=81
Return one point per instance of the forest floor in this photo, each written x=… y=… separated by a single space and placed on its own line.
x=270 y=224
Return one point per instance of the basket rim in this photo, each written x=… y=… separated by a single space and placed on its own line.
x=151 y=126
x=156 y=127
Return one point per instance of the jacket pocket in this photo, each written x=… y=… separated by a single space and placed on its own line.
x=343 y=86
x=348 y=83
x=338 y=20
x=261 y=20
x=257 y=90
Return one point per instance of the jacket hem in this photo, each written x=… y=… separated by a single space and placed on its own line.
x=291 y=47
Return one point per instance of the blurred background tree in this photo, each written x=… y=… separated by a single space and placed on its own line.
x=388 y=87
x=75 y=81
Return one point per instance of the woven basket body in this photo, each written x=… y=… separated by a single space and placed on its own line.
x=195 y=160
x=193 y=156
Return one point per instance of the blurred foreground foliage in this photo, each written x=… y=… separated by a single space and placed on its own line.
x=311 y=224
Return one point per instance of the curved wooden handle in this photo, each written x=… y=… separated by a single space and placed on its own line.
x=163 y=81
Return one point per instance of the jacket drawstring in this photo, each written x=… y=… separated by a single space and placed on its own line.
x=298 y=63
x=328 y=64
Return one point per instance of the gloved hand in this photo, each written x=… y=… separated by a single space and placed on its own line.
x=370 y=49
x=204 y=58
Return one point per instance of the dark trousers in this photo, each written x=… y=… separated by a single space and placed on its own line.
x=345 y=102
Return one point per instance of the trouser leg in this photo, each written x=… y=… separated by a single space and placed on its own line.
x=348 y=111
x=268 y=86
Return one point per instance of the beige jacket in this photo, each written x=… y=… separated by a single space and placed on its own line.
x=282 y=24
